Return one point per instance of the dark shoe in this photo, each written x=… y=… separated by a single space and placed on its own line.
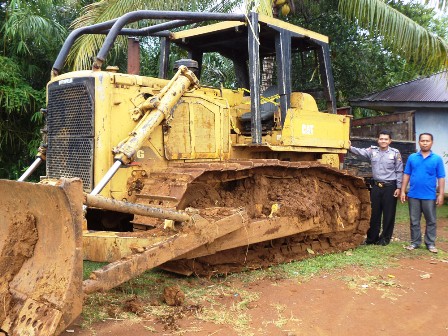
x=383 y=242
x=368 y=242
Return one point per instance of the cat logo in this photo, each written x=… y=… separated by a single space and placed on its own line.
x=307 y=129
x=65 y=81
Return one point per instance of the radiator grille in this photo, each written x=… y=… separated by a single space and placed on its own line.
x=71 y=130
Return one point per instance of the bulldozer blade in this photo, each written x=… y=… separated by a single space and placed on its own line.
x=40 y=256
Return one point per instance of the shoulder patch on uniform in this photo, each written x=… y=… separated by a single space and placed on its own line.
x=397 y=153
x=374 y=147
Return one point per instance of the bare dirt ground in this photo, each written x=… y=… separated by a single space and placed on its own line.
x=406 y=299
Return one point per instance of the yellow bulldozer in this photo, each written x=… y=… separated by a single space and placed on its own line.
x=146 y=172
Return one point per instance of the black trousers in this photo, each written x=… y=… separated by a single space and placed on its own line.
x=384 y=205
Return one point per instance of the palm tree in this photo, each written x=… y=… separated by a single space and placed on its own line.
x=401 y=34
x=32 y=22
x=31 y=33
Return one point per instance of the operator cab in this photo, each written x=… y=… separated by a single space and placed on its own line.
x=286 y=58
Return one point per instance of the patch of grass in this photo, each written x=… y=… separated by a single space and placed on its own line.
x=213 y=309
x=249 y=276
x=370 y=256
x=185 y=331
x=363 y=283
x=402 y=214
x=147 y=287
x=234 y=316
x=442 y=211
x=151 y=329
x=282 y=320
x=150 y=283
x=89 y=267
x=93 y=308
x=222 y=290
x=442 y=239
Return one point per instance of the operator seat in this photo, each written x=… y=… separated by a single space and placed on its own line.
x=267 y=111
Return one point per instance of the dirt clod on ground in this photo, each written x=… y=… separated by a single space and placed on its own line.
x=175 y=316
x=134 y=305
x=173 y=296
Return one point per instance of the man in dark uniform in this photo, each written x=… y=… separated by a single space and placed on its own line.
x=387 y=171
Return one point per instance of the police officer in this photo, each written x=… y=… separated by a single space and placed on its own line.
x=387 y=171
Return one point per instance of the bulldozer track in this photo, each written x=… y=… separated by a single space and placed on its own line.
x=263 y=255
x=330 y=207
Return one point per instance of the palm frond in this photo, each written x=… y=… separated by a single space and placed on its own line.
x=440 y=5
x=29 y=25
x=400 y=33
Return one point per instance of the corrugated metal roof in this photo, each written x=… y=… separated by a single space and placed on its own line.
x=433 y=88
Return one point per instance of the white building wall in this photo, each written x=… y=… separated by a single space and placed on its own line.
x=436 y=123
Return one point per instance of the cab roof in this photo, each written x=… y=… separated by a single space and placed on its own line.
x=230 y=37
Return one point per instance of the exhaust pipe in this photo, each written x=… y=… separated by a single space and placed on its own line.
x=133 y=56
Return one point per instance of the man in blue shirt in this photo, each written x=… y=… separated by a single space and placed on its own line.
x=424 y=170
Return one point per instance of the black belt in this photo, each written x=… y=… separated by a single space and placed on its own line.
x=383 y=184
